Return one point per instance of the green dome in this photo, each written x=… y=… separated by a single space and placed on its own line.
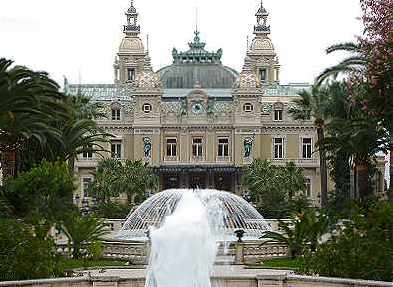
x=207 y=76
x=197 y=67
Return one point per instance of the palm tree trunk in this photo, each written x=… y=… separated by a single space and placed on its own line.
x=362 y=181
x=323 y=168
x=71 y=164
x=390 y=192
x=8 y=164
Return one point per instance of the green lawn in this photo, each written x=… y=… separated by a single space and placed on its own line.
x=85 y=263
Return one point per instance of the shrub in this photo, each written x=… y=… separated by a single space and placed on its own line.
x=112 y=210
x=23 y=255
x=42 y=194
x=362 y=250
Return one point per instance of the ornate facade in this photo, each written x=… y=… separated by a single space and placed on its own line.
x=198 y=122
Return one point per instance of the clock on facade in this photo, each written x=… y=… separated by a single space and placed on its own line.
x=197 y=108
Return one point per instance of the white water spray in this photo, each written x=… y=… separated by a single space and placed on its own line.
x=184 y=248
x=226 y=210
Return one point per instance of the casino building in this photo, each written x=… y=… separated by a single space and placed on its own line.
x=197 y=121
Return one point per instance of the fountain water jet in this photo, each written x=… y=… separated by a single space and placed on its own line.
x=184 y=248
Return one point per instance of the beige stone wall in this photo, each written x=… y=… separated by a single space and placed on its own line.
x=273 y=278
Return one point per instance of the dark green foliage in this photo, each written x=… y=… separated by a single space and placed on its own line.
x=112 y=210
x=84 y=234
x=44 y=194
x=38 y=122
x=276 y=191
x=315 y=105
x=362 y=250
x=300 y=234
x=24 y=255
x=113 y=178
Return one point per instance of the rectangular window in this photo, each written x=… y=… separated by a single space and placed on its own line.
x=131 y=74
x=197 y=148
x=308 y=187
x=88 y=153
x=86 y=181
x=223 y=147
x=171 y=147
x=278 y=115
x=306 y=148
x=278 y=148
x=116 y=149
x=116 y=115
x=263 y=75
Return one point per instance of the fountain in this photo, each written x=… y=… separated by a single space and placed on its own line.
x=183 y=249
x=227 y=213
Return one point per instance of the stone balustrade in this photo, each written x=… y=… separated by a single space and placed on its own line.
x=259 y=279
x=137 y=252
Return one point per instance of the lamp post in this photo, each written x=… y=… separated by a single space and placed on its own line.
x=239 y=247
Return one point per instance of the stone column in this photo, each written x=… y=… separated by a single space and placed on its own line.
x=276 y=280
x=239 y=253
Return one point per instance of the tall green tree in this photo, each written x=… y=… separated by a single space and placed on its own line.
x=355 y=63
x=351 y=133
x=362 y=138
x=276 y=191
x=29 y=101
x=314 y=105
x=113 y=178
x=43 y=195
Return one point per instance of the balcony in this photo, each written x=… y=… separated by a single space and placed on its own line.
x=310 y=163
x=86 y=163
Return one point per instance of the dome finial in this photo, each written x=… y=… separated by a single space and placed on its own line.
x=132 y=28
x=261 y=28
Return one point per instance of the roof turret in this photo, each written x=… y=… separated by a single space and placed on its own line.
x=261 y=28
x=197 y=53
x=132 y=29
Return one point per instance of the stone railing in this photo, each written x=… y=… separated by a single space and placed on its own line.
x=259 y=279
x=134 y=252
x=255 y=252
x=137 y=252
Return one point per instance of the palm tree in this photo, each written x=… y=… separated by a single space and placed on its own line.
x=28 y=103
x=314 y=105
x=113 y=178
x=137 y=178
x=300 y=233
x=82 y=231
x=104 y=186
x=355 y=63
x=361 y=137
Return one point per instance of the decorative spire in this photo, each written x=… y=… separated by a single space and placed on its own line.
x=197 y=53
x=132 y=28
x=197 y=44
x=262 y=28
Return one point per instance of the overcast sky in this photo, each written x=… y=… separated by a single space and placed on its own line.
x=79 y=39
